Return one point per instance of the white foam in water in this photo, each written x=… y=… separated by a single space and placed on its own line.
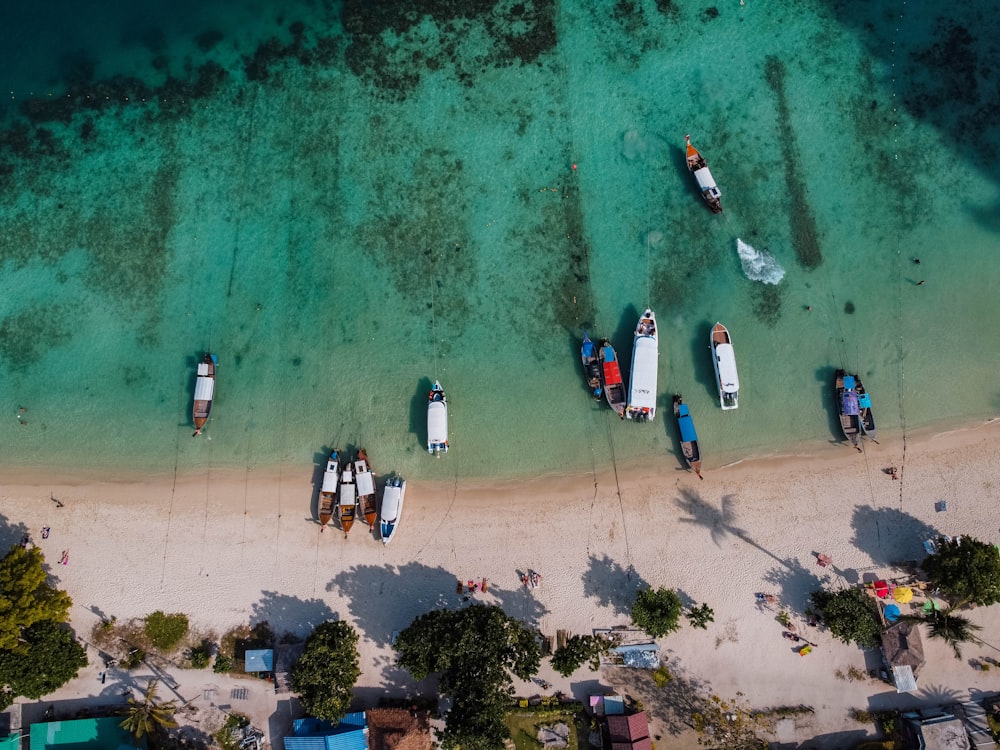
x=759 y=265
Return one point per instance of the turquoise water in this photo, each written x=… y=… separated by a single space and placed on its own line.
x=379 y=197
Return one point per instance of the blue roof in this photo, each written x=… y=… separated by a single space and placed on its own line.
x=80 y=734
x=316 y=734
x=261 y=660
x=688 y=435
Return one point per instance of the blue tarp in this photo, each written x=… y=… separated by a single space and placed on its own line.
x=850 y=403
x=688 y=435
x=865 y=401
x=642 y=655
x=261 y=660
x=609 y=354
x=892 y=613
x=849 y=382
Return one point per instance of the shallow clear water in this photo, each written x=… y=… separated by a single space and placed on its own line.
x=343 y=216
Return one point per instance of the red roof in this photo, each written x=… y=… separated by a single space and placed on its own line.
x=629 y=729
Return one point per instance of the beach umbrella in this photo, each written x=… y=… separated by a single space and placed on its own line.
x=902 y=594
x=892 y=613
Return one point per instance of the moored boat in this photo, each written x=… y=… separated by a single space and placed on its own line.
x=724 y=362
x=865 y=407
x=706 y=183
x=392 y=507
x=645 y=360
x=364 y=478
x=437 y=420
x=347 y=499
x=689 y=438
x=204 y=392
x=848 y=407
x=591 y=366
x=611 y=377
x=328 y=490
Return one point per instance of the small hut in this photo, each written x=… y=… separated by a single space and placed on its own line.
x=903 y=652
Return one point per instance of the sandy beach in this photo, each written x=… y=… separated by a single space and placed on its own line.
x=228 y=547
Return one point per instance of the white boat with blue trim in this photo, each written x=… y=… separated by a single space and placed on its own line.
x=645 y=361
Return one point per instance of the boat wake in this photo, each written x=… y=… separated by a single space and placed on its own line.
x=759 y=265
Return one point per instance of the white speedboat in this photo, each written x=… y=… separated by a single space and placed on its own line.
x=437 y=420
x=724 y=361
x=392 y=507
x=642 y=381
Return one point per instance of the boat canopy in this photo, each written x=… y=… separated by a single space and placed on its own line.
x=608 y=353
x=587 y=350
x=348 y=494
x=729 y=379
x=849 y=382
x=865 y=401
x=391 y=500
x=330 y=479
x=686 y=424
x=365 y=484
x=203 y=369
x=642 y=386
x=849 y=403
x=204 y=387
x=437 y=422
x=705 y=180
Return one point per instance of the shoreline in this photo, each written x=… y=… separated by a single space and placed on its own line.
x=821 y=451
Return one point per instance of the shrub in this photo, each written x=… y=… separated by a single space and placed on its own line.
x=166 y=631
x=223 y=664
x=133 y=659
x=662 y=676
x=200 y=656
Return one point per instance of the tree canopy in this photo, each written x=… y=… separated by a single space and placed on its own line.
x=326 y=672
x=147 y=717
x=850 y=616
x=579 y=649
x=52 y=658
x=26 y=596
x=657 y=611
x=475 y=650
x=966 y=570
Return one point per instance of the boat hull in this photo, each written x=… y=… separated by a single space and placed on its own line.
x=328 y=489
x=591 y=367
x=437 y=421
x=392 y=508
x=727 y=378
x=848 y=408
x=364 y=477
x=204 y=392
x=611 y=377
x=703 y=177
x=347 y=500
x=688 y=436
x=645 y=362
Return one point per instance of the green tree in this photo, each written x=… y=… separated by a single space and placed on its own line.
x=700 y=616
x=327 y=670
x=166 y=631
x=26 y=597
x=850 y=616
x=951 y=628
x=966 y=570
x=657 y=612
x=147 y=717
x=580 y=649
x=52 y=658
x=475 y=650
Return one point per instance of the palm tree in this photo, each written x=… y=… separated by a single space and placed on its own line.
x=951 y=628
x=144 y=717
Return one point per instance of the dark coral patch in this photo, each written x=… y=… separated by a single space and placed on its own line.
x=29 y=335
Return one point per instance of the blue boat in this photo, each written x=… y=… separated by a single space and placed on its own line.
x=865 y=407
x=689 y=438
x=848 y=407
x=591 y=366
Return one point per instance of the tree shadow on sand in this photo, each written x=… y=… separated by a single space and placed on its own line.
x=385 y=599
x=888 y=535
x=10 y=534
x=290 y=615
x=720 y=522
x=673 y=705
x=793 y=582
x=612 y=585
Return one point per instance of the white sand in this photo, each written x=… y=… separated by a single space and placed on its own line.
x=231 y=547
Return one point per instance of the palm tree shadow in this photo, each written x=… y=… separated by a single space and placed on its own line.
x=613 y=586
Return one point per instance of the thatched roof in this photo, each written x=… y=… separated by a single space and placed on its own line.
x=398 y=729
x=903 y=647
